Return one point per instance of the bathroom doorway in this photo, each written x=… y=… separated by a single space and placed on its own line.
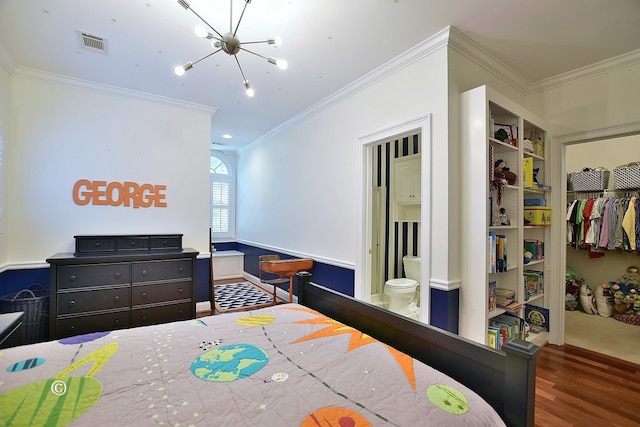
x=391 y=230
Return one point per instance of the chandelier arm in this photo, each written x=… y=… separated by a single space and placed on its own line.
x=241 y=15
x=254 y=53
x=257 y=41
x=244 y=79
x=205 y=22
x=206 y=56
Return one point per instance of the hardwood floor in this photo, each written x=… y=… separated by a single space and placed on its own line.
x=577 y=387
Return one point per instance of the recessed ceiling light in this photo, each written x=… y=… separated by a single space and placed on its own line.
x=227 y=136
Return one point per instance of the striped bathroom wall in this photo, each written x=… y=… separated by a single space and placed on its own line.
x=400 y=238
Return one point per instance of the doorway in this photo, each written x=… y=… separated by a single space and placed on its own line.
x=379 y=234
x=595 y=331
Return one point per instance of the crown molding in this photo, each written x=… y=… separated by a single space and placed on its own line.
x=6 y=61
x=419 y=51
x=85 y=85
x=465 y=46
x=602 y=67
x=619 y=131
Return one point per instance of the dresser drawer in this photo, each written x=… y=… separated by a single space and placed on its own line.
x=93 y=323
x=132 y=244
x=78 y=276
x=166 y=243
x=94 y=300
x=161 y=292
x=148 y=271
x=95 y=244
x=161 y=314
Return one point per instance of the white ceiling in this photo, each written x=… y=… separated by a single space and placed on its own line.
x=328 y=44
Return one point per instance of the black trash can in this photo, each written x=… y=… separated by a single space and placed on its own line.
x=34 y=302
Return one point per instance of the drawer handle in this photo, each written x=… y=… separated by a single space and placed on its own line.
x=181 y=269
x=116 y=322
x=164 y=243
x=133 y=243
x=116 y=298
x=144 y=272
x=117 y=274
x=72 y=303
x=180 y=291
x=98 y=244
x=72 y=278
x=144 y=295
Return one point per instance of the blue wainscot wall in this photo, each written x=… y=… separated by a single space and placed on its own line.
x=444 y=304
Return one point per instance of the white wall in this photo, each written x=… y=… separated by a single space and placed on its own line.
x=61 y=133
x=597 y=101
x=4 y=134
x=298 y=189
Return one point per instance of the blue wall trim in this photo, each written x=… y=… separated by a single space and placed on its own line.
x=444 y=304
x=444 y=309
x=12 y=281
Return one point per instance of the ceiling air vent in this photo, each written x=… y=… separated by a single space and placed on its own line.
x=92 y=42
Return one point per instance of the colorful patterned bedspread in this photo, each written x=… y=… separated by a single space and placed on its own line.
x=278 y=366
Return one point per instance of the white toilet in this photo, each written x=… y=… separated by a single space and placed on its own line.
x=402 y=292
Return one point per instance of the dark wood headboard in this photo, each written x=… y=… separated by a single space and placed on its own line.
x=505 y=379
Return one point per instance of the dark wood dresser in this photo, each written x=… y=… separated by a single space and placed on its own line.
x=121 y=281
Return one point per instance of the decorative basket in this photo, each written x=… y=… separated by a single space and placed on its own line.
x=589 y=179
x=627 y=176
x=34 y=302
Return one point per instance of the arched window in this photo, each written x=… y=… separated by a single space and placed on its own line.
x=222 y=219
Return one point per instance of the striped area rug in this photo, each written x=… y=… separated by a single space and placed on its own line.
x=240 y=296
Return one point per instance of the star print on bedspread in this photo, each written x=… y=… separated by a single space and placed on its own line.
x=358 y=339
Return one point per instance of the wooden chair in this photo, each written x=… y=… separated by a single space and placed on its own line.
x=280 y=280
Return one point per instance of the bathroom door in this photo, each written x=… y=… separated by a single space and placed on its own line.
x=376 y=252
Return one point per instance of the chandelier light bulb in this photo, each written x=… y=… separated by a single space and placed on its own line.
x=180 y=70
x=280 y=63
x=200 y=31
x=249 y=89
x=216 y=44
x=276 y=41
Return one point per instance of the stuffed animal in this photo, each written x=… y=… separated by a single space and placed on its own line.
x=588 y=300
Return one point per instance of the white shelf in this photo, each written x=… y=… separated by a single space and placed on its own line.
x=478 y=107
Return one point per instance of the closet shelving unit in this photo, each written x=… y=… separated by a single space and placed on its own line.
x=483 y=110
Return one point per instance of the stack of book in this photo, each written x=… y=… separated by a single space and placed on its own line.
x=506 y=299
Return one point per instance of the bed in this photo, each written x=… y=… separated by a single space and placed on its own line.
x=287 y=365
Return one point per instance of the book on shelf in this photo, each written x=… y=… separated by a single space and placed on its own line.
x=536 y=317
x=493 y=337
x=527 y=172
x=492 y=252
x=535 y=248
x=513 y=326
x=492 y=295
x=533 y=283
x=498 y=262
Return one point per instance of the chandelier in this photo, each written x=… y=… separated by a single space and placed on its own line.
x=229 y=43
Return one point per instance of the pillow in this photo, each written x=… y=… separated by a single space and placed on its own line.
x=604 y=300
x=587 y=300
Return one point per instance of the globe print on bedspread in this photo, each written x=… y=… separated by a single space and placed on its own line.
x=230 y=363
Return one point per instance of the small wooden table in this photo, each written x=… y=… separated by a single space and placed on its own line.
x=287 y=268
